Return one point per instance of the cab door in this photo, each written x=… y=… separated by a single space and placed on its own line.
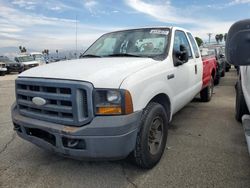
x=183 y=86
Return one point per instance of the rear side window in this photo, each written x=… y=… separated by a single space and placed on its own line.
x=180 y=38
x=194 y=45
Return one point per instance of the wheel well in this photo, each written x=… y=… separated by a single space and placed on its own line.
x=163 y=99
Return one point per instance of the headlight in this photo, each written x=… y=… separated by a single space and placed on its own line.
x=112 y=102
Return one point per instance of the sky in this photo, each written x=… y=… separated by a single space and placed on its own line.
x=51 y=24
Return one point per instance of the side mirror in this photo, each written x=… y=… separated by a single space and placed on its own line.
x=222 y=56
x=238 y=43
x=181 y=56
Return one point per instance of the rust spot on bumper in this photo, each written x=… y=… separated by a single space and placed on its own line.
x=68 y=129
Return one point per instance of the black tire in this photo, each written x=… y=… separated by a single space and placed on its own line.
x=217 y=79
x=2 y=73
x=240 y=103
x=207 y=93
x=222 y=73
x=144 y=154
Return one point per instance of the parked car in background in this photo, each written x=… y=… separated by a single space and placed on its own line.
x=228 y=65
x=27 y=60
x=237 y=53
x=116 y=101
x=12 y=66
x=209 y=74
x=221 y=61
x=3 y=69
x=39 y=57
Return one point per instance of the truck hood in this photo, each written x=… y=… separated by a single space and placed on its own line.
x=30 y=62
x=101 y=72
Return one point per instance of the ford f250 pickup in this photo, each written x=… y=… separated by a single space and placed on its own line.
x=117 y=100
x=237 y=53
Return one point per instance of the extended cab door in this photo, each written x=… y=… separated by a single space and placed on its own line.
x=196 y=76
x=185 y=74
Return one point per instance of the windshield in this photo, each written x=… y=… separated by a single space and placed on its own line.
x=38 y=56
x=148 y=42
x=25 y=58
x=5 y=60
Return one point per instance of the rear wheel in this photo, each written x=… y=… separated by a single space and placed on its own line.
x=207 y=92
x=217 y=78
x=240 y=103
x=152 y=137
x=223 y=73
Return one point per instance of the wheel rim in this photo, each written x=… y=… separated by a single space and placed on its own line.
x=155 y=135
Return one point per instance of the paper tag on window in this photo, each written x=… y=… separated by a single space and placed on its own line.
x=159 y=31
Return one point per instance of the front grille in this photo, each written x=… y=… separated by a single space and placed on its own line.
x=2 y=65
x=67 y=102
x=31 y=65
x=14 y=65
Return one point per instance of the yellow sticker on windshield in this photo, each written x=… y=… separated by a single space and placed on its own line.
x=159 y=31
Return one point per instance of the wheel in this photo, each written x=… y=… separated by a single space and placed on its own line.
x=207 y=92
x=217 y=79
x=152 y=137
x=223 y=73
x=2 y=73
x=240 y=103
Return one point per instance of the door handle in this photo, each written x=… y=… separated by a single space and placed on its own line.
x=171 y=76
x=195 y=69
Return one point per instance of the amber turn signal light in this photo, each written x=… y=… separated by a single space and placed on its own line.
x=109 y=110
x=128 y=103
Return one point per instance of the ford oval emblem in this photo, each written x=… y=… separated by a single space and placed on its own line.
x=38 y=101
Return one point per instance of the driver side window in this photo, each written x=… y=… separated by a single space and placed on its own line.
x=181 y=39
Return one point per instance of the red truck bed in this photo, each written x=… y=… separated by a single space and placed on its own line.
x=209 y=69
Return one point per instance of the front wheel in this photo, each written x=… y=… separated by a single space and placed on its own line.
x=152 y=137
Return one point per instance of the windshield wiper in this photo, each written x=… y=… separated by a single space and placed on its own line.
x=122 y=55
x=89 y=55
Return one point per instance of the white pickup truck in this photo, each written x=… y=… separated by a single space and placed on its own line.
x=237 y=53
x=118 y=99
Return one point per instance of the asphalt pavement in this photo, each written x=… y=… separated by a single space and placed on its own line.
x=206 y=147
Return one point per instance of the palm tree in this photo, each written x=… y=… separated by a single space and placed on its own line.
x=221 y=36
x=22 y=49
x=57 y=53
x=217 y=38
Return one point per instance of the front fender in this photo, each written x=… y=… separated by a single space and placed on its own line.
x=143 y=92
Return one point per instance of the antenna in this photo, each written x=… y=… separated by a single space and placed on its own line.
x=76 y=38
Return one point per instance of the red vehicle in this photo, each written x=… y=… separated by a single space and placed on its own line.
x=209 y=73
